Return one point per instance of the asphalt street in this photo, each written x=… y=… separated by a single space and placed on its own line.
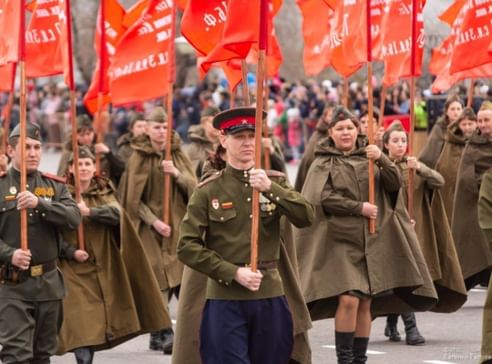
x=451 y=338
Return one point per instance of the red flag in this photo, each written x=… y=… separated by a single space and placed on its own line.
x=10 y=16
x=114 y=30
x=445 y=81
x=139 y=69
x=135 y=13
x=450 y=14
x=315 y=29
x=473 y=36
x=396 y=49
x=348 y=36
x=43 y=49
x=441 y=56
x=7 y=77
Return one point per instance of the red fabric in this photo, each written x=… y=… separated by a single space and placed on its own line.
x=7 y=76
x=396 y=50
x=238 y=121
x=10 y=16
x=114 y=16
x=139 y=69
x=43 y=48
x=348 y=36
x=473 y=37
x=450 y=14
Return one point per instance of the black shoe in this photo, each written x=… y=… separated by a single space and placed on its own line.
x=412 y=334
x=391 y=329
x=155 y=342
x=344 y=346
x=167 y=336
x=84 y=355
x=360 y=350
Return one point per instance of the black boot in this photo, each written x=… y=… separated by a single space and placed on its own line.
x=155 y=342
x=344 y=345
x=360 y=349
x=167 y=336
x=84 y=355
x=413 y=336
x=391 y=329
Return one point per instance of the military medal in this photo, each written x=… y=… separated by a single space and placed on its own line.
x=12 y=190
x=227 y=205
x=215 y=203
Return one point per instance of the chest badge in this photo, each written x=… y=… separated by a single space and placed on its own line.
x=13 y=190
x=215 y=203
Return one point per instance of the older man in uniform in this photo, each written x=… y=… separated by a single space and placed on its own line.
x=31 y=286
x=246 y=318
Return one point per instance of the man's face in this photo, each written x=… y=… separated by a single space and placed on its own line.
x=139 y=127
x=85 y=136
x=33 y=154
x=240 y=147
x=484 y=122
x=157 y=132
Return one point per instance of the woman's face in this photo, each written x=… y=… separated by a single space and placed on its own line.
x=397 y=144
x=454 y=111
x=87 y=169
x=344 y=134
x=467 y=127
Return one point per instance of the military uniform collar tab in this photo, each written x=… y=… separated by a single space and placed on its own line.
x=241 y=174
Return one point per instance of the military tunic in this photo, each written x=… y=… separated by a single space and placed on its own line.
x=215 y=238
x=56 y=210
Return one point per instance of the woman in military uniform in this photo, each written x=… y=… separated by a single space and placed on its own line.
x=113 y=295
x=246 y=318
x=346 y=272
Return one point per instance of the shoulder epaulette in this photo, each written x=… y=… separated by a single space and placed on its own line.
x=54 y=177
x=213 y=177
x=274 y=173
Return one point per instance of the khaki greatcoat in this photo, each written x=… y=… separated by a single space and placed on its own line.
x=141 y=193
x=473 y=249
x=435 y=142
x=341 y=255
x=113 y=296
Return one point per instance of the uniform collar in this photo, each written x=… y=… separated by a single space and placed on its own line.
x=240 y=174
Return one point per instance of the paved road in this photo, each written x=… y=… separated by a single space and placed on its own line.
x=451 y=338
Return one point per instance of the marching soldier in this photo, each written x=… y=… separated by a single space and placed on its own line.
x=137 y=127
x=31 y=286
x=215 y=240
x=141 y=190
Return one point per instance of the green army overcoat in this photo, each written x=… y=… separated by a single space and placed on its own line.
x=113 y=296
x=485 y=220
x=447 y=165
x=341 y=255
x=473 y=249
x=141 y=192
x=435 y=142
x=124 y=146
x=434 y=236
x=308 y=156
x=192 y=300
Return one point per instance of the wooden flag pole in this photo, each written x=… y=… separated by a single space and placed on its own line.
x=370 y=121
x=267 y=164
x=260 y=78
x=73 y=120
x=102 y=59
x=382 y=105
x=411 y=173
x=166 y=210
x=345 y=92
x=244 y=83
x=24 y=245
x=471 y=92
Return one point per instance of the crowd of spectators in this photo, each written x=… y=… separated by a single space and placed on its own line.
x=293 y=108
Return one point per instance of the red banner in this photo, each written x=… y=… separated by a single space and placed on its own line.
x=139 y=69
x=43 y=49
x=473 y=36
x=10 y=15
x=114 y=30
x=7 y=76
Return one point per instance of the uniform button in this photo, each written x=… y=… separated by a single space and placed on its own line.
x=226 y=283
x=271 y=194
x=43 y=214
x=250 y=216
x=36 y=211
x=220 y=280
x=222 y=218
x=27 y=186
x=277 y=198
x=3 y=208
x=246 y=185
x=30 y=214
x=248 y=199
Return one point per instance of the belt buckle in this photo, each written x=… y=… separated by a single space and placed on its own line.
x=36 y=270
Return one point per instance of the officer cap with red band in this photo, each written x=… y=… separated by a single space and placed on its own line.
x=235 y=120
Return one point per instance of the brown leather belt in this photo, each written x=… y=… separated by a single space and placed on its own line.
x=40 y=269
x=265 y=265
